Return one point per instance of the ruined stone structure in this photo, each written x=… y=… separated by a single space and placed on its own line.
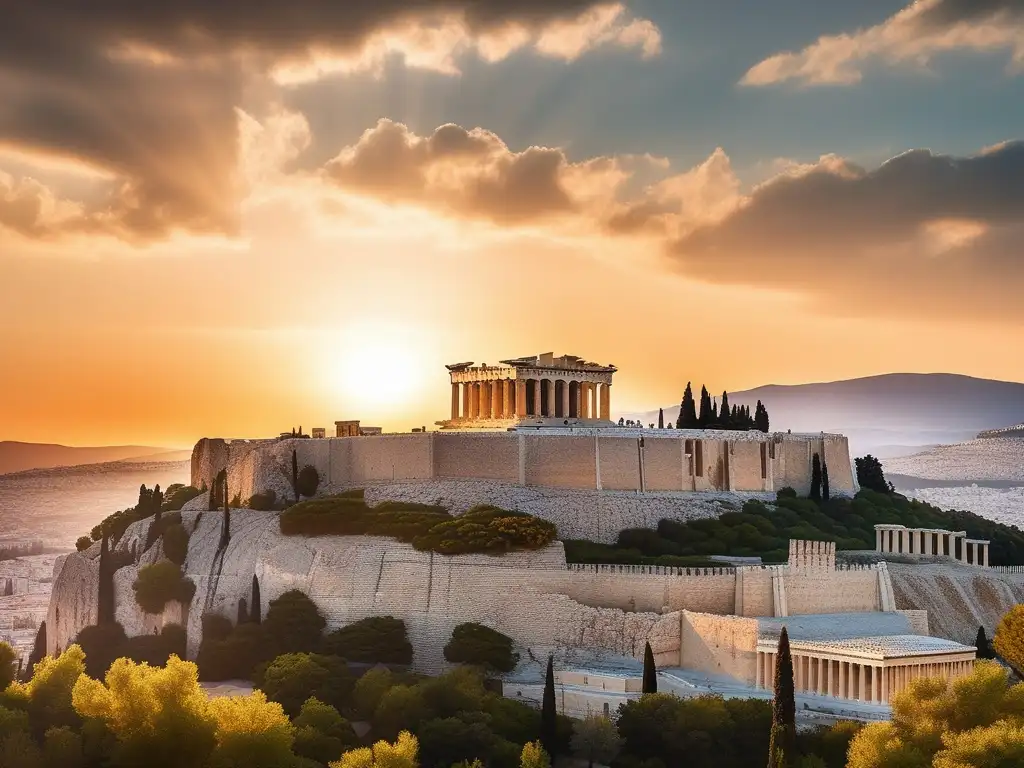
x=538 y=391
x=898 y=539
x=570 y=476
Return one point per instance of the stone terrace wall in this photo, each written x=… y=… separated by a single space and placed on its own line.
x=852 y=591
x=580 y=459
x=722 y=645
x=707 y=590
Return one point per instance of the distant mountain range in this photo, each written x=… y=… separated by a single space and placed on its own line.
x=890 y=415
x=17 y=457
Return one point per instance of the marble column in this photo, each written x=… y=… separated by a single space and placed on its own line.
x=862 y=688
x=520 y=386
x=927 y=548
x=474 y=400
x=984 y=554
x=536 y=397
x=467 y=396
x=565 y=399
x=878 y=541
x=585 y=400
x=496 y=412
x=551 y=399
x=844 y=673
x=885 y=684
x=455 y=401
x=507 y=399
x=484 y=408
x=759 y=681
x=606 y=401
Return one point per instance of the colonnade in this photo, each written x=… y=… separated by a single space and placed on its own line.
x=873 y=681
x=898 y=539
x=518 y=398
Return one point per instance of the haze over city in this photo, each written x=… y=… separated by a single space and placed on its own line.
x=220 y=219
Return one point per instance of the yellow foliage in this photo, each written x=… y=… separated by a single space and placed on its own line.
x=949 y=723
x=1009 y=639
x=137 y=697
x=534 y=756
x=998 y=745
x=401 y=754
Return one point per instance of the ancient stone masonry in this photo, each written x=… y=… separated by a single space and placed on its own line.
x=539 y=390
x=927 y=542
x=654 y=464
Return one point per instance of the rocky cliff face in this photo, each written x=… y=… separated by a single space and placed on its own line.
x=958 y=598
x=350 y=577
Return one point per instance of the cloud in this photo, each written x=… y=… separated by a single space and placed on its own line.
x=913 y=36
x=150 y=93
x=923 y=232
x=472 y=174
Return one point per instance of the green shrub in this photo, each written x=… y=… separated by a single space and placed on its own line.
x=308 y=481
x=156 y=649
x=264 y=501
x=83 y=543
x=473 y=643
x=758 y=530
x=427 y=527
x=159 y=584
x=227 y=652
x=293 y=624
x=178 y=495
x=375 y=639
x=176 y=543
x=102 y=645
x=321 y=733
x=292 y=678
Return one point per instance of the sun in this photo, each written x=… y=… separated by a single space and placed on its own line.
x=379 y=368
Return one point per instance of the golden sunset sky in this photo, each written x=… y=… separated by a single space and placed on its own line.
x=220 y=221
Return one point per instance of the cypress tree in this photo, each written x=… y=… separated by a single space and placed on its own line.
x=548 y=712
x=243 y=612
x=225 y=528
x=705 y=409
x=816 y=478
x=255 y=610
x=661 y=418
x=105 y=598
x=650 y=682
x=687 y=410
x=714 y=413
x=39 y=648
x=981 y=643
x=825 y=494
x=723 y=419
x=782 y=744
x=295 y=475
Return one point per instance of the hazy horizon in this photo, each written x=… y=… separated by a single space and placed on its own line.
x=231 y=222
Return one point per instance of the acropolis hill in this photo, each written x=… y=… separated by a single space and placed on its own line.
x=860 y=631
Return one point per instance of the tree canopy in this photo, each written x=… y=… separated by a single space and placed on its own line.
x=473 y=643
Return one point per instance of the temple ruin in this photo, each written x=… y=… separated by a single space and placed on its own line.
x=543 y=390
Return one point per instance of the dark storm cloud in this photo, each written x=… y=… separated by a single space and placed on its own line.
x=147 y=91
x=919 y=225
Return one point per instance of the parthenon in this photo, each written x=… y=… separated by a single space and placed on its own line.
x=543 y=390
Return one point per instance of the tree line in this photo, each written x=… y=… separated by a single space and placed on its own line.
x=712 y=415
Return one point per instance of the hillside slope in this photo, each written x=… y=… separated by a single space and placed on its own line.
x=987 y=459
x=885 y=414
x=17 y=457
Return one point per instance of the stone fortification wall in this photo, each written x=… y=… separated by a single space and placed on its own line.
x=958 y=598
x=653 y=588
x=720 y=645
x=580 y=459
x=854 y=590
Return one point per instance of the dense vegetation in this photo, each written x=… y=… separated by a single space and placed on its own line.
x=759 y=529
x=151 y=503
x=375 y=639
x=160 y=583
x=14 y=551
x=976 y=722
x=482 y=529
x=475 y=644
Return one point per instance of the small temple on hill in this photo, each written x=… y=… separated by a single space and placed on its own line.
x=542 y=390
